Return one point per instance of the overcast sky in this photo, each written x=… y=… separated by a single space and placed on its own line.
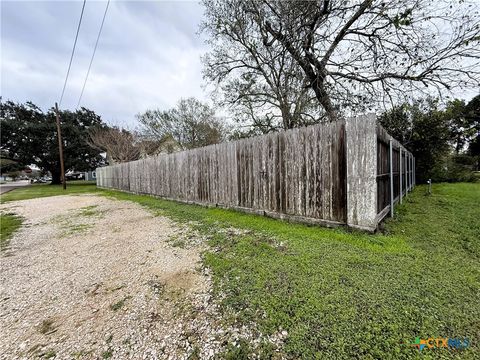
x=148 y=55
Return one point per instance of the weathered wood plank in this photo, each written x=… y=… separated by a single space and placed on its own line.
x=325 y=172
x=361 y=142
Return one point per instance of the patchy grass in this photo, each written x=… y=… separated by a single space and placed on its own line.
x=177 y=241
x=107 y=354
x=240 y=351
x=119 y=304
x=82 y=354
x=50 y=354
x=90 y=211
x=343 y=294
x=195 y=354
x=74 y=229
x=79 y=227
x=9 y=223
x=43 y=190
x=116 y=288
x=157 y=286
x=47 y=327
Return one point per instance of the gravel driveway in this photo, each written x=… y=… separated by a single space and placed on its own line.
x=90 y=277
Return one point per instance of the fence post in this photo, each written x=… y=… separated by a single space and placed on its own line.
x=361 y=161
x=414 y=181
x=411 y=173
x=406 y=173
x=390 y=156
x=400 y=175
x=406 y=176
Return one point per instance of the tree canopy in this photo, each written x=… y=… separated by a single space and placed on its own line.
x=29 y=136
x=122 y=145
x=351 y=54
x=191 y=124
x=261 y=85
x=438 y=138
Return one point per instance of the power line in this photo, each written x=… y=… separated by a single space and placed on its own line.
x=73 y=52
x=93 y=55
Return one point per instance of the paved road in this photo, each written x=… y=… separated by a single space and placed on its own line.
x=12 y=185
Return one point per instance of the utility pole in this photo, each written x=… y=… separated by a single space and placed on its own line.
x=60 y=148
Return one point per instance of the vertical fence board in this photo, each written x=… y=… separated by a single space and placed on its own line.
x=361 y=144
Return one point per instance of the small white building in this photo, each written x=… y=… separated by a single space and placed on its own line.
x=90 y=175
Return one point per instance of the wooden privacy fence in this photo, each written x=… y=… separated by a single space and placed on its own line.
x=329 y=174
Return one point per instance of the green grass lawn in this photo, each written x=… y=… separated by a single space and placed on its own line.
x=342 y=294
x=9 y=223
x=43 y=190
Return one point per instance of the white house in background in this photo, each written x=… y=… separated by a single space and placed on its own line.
x=90 y=175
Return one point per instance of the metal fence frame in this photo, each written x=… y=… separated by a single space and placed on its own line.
x=400 y=175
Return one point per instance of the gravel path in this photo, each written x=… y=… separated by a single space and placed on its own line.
x=90 y=277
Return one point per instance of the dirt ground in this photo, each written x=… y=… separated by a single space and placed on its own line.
x=91 y=277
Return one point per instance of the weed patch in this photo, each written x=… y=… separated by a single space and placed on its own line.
x=9 y=223
x=47 y=327
x=119 y=304
x=91 y=210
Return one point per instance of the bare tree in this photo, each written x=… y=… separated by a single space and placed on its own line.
x=120 y=145
x=362 y=52
x=190 y=124
x=260 y=84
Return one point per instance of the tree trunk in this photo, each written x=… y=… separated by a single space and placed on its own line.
x=286 y=118
x=324 y=99
x=458 y=145
x=56 y=177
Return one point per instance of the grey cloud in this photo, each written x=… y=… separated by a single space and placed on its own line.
x=148 y=56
